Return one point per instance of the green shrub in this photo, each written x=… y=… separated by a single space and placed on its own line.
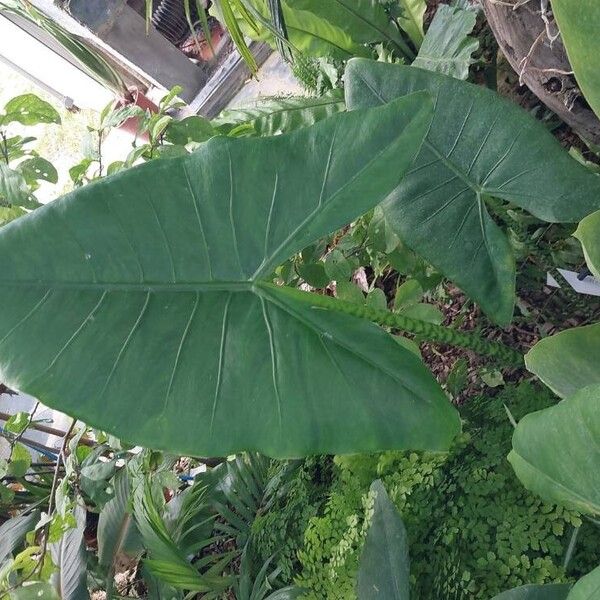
x=474 y=531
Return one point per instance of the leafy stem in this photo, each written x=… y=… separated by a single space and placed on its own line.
x=427 y=331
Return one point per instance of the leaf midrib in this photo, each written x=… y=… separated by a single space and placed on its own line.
x=193 y=286
x=371 y=24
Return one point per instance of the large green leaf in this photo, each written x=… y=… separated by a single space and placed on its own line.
x=588 y=233
x=271 y=116
x=384 y=570
x=365 y=21
x=579 y=23
x=556 y=452
x=587 y=588
x=556 y=591
x=447 y=47
x=137 y=303
x=479 y=145
x=567 y=361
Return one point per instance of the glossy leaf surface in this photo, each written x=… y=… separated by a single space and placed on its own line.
x=579 y=23
x=479 y=145
x=384 y=569
x=556 y=452
x=567 y=361
x=137 y=303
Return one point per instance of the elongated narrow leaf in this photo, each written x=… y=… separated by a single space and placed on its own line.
x=558 y=591
x=273 y=116
x=567 y=361
x=587 y=588
x=365 y=21
x=384 y=570
x=117 y=532
x=479 y=145
x=447 y=47
x=166 y=559
x=556 y=452
x=588 y=233
x=137 y=303
x=13 y=532
x=307 y=33
x=69 y=556
x=579 y=23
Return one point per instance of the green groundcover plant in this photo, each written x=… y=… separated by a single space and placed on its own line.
x=473 y=530
x=264 y=304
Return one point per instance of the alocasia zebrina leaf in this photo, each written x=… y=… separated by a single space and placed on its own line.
x=479 y=146
x=142 y=304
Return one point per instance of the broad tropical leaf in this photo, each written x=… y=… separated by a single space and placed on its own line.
x=138 y=303
x=558 y=591
x=556 y=452
x=69 y=556
x=365 y=21
x=384 y=570
x=272 y=116
x=447 y=47
x=587 y=588
x=579 y=23
x=13 y=532
x=479 y=145
x=567 y=361
x=588 y=233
